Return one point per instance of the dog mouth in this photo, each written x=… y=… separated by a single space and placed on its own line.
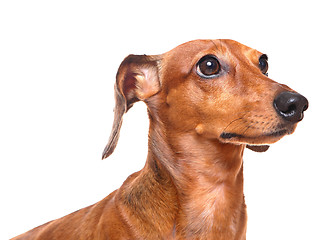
x=230 y=135
x=257 y=143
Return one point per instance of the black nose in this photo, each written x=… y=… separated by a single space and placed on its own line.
x=290 y=106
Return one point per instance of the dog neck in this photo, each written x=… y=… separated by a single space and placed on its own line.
x=198 y=182
x=208 y=176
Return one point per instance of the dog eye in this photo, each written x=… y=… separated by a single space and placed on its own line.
x=263 y=64
x=207 y=66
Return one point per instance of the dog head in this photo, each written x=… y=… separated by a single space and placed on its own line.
x=217 y=89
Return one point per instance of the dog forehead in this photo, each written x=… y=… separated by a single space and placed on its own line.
x=239 y=49
x=192 y=48
x=180 y=60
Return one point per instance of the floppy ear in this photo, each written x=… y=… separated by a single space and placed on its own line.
x=137 y=79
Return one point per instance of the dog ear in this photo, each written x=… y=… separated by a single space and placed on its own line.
x=137 y=80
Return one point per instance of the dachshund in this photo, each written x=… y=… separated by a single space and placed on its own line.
x=207 y=100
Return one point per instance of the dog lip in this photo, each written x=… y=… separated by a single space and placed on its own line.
x=278 y=133
x=226 y=135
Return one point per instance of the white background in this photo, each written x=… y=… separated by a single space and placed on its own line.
x=58 y=61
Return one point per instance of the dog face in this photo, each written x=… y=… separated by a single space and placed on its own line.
x=221 y=90
x=218 y=89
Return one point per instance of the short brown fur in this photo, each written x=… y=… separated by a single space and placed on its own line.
x=192 y=184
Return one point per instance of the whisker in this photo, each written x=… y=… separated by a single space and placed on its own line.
x=214 y=44
x=221 y=45
x=247 y=128
x=237 y=119
x=232 y=122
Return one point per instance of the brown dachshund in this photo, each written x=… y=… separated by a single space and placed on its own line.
x=207 y=100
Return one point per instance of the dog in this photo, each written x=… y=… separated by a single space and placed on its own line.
x=207 y=100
